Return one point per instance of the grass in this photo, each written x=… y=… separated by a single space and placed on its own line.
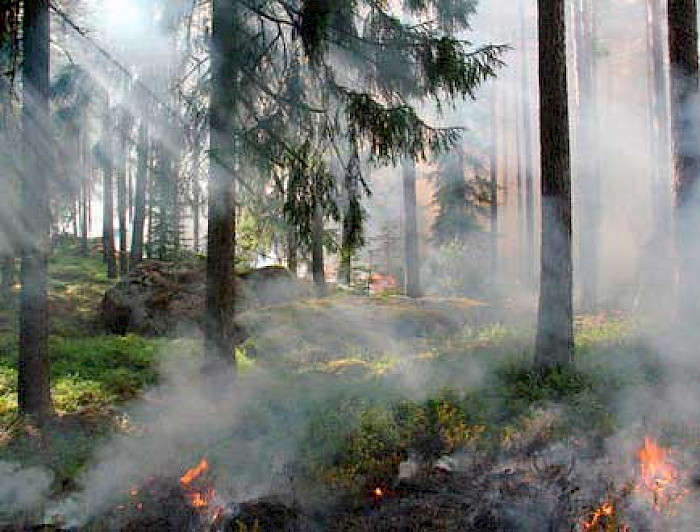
x=368 y=381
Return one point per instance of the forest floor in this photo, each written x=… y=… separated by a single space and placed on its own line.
x=355 y=412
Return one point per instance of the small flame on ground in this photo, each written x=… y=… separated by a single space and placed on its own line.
x=199 y=498
x=658 y=476
x=600 y=517
x=191 y=474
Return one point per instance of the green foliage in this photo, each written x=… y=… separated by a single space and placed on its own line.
x=87 y=373
x=460 y=201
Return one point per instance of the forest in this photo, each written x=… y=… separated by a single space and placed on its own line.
x=358 y=265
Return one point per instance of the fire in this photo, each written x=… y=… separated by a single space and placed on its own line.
x=603 y=518
x=199 y=495
x=191 y=474
x=658 y=476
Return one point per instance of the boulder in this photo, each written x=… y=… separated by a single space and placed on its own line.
x=161 y=298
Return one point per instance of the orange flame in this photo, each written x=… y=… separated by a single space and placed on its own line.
x=658 y=476
x=600 y=515
x=192 y=474
x=199 y=498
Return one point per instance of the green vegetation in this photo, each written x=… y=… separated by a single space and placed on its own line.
x=417 y=381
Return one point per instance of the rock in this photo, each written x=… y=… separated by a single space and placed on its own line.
x=408 y=469
x=160 y=298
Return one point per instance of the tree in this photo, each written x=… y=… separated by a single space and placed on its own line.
x=123 y=148
x=683 y=52
x=140 y=195
x=105 y=154
x=493 y=182
x=588 y=175
x=528 y=149
x=555 y=337
x=248 y=81
x=219 y=310
x=412 y=285
x=34 y=386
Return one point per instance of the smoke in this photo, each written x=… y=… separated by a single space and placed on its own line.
x=22 y=490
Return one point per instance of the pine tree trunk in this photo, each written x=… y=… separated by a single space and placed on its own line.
x=412 y=281
x=683 y=52
x=527 y=144
x=8 y=277
x=292 y=251
x=140 y=196
x=661 y=111
x=122 y=203
x=588 y=176
x=317 y=259
x=493 y=183
x=219 y=337
x=555 y=338
x=85 y=191
x=196 y=199
x=108 y=201
x=34 y=386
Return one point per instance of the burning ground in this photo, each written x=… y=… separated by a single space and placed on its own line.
x=366 y=414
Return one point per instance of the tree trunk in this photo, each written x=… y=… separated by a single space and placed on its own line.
x=683 y=52
x=660 y=111
x=219 y=338
x=292 y=251
x=8 y=277
x=140 y=196
x=34 y=386
x=588 y=176
x=85 y=192
x=527 y=145
x=493 y=184
x=196 y=198
x=412 y=280
x=555 y=335
x=122 y=203
x=317 y=260
x=108 y=200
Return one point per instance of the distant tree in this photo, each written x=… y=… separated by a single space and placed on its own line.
x=587 y=160
x=555 y=338
x=353 y=216
x=461 y=202
x=34 y=386
x=685 y=130
x=123 y=147
x=493 y=182
x=412 y=285
x=105 y=157
x=527 y=148
x=142 y=156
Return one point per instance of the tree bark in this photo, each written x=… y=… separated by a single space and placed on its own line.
x=219 y=337
x=587 y=161
x=528 y=156
x=317 y=259
x=555 y=337
x=108 y=200
x=122 y=203
x=683 y=53
x=493 y=184
x=292 y=251
x=8 y=277
x=34 y=383
x=85 y=192
x=140 y=196
x=412 y=261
